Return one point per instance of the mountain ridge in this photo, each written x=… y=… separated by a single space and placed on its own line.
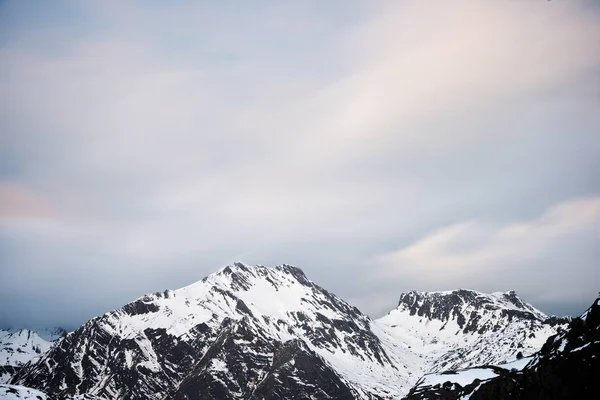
x=245 y=331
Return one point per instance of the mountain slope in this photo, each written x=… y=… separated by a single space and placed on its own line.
x=462 y=328
x=167 y=344
x=567 y=367
x=18 y=347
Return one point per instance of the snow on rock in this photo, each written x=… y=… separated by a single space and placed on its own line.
x=462 y=328
x=18 y=347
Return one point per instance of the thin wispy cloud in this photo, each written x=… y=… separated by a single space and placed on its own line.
x=148 y=144
x=490 y=255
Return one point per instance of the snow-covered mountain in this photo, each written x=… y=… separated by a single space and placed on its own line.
x=243 y=332
x=252 y=332
x=462 y=328
x=567 y=367
x=18 y=347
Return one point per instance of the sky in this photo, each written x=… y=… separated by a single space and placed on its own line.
x=380 y=146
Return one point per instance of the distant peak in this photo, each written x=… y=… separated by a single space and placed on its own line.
x=47 y=334
x=458 y=298
x=415 y=295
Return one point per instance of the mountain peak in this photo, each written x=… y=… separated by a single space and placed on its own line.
x=241 y=267
x=240 y=276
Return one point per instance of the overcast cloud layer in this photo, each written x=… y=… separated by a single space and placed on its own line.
x=379 y=146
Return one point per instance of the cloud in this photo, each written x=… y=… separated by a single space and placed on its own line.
x=414 y=63
x=487 y=255
x=18 y=202
x=166 y=140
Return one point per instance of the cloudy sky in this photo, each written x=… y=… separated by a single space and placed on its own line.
x=379 y=146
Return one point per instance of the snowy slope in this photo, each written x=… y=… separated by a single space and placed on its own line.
x=462 y=328
x=18 y=347
x=242 y=315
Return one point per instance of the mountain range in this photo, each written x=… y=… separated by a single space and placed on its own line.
x=253 y=332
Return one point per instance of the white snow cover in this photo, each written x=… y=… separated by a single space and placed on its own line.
x=517 y=364
x=18 y=347
x=442 y=344
x=460 y=377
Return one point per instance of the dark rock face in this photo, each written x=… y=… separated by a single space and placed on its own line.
x=260 y=369
x=140 y=307
x=567 y=367
x=297 y=372
x=557 y=321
